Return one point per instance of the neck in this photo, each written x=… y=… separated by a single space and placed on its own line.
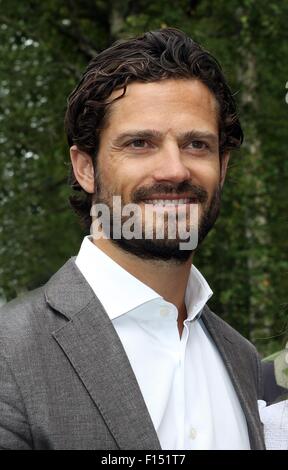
x=168 y=279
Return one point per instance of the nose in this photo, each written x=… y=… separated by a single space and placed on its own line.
x=170 y=166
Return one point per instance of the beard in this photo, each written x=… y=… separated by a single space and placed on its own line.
x=164 y=248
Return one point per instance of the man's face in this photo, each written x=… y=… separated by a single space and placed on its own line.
x=161 y=141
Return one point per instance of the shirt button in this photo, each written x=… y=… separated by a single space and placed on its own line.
x=192 y=434
x=164 y=311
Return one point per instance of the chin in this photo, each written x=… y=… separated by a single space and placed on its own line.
x=161 y=250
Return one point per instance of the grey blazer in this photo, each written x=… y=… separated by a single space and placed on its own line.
x=66 y=382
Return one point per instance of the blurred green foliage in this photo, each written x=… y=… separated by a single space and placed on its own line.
x=44 y=47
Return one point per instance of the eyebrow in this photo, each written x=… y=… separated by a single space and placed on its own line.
x=154 y=134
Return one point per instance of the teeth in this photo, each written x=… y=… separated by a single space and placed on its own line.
x=167 y=202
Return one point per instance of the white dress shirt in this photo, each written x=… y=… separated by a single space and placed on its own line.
x=184 y=382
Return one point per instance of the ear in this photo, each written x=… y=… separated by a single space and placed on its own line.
x=224 y=165
x=83 y=168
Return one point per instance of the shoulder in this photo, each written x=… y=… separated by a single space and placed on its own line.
x=31 y=319
x=20 y=312
x=35 y=309
x=25 y=322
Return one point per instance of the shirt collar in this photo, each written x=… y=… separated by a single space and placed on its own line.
x=119 y=291
x=197 y=294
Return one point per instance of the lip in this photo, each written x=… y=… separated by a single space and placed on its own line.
x=169 y=197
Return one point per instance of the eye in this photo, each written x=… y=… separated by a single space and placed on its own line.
x=138 y=144
x=198 y=145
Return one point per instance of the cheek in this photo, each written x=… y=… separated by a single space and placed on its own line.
x=208 y=175
x=116 y=179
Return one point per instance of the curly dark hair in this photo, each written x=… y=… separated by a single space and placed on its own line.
x=154 y=56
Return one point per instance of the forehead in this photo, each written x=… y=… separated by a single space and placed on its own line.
x=170 y=103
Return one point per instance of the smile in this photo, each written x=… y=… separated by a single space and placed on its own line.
x=169 y=202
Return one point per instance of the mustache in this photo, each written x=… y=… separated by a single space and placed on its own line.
x=189 y=189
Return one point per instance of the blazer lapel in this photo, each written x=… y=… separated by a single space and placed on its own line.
x=95 y=351
x=236 y=365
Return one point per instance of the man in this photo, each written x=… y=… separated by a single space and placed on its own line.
x=119 y=350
